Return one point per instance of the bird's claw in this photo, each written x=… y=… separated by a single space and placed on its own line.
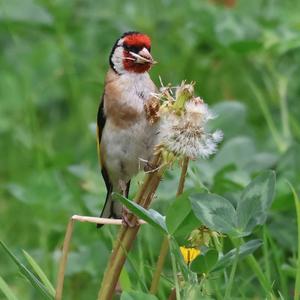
x=128 y=218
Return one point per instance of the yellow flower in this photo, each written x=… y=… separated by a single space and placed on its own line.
x=189 y=254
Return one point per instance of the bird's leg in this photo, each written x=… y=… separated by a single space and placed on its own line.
x=127 y=215
x=123 y=187
x=128 y=218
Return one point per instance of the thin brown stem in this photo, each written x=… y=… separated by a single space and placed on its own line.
x=160 y=263
x=172 y=295
x=165 y=244
x=184 y=169
x=63 y=260
x=66 y=245
x=139 y=200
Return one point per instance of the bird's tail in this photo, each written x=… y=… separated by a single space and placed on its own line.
x=106 y=211
x=112 y=208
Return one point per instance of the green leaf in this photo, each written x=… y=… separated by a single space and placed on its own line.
x=237 y=151
x=204 y=263
x=255 y=201
x=229 y=257
x=187 y=226
x=6 y=290
x=215 y=212
x=218 y=213
x=150 y=216
x=136 y=295
x=180 y=218
x=124 y=280
x=177 y=213
x=35 y=282
x=40 y=273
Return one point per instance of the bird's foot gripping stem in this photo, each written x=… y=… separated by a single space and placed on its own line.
x=128 y=218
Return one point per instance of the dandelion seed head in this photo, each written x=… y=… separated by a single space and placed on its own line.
x=187 y=134
x=183 y=123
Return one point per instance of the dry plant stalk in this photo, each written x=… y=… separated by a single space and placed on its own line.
x=67 y=241
x=172 y=295
x=127 y=234
x=63 y=260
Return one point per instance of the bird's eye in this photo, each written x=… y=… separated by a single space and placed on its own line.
x=134 y=49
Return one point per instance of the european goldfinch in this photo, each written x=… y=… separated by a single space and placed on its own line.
x=125 y=138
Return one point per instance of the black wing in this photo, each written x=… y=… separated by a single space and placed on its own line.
x=101 y=120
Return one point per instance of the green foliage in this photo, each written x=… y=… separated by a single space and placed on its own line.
x=40 y=273
x=54 y=56
x=137 y=295
x=205 y=263
x=244 y=250
x=256 y=199
x=8 y=293
x=46 y=291
x=297 y=206
x=180 y=219
x=219 y=214
x=215 y=212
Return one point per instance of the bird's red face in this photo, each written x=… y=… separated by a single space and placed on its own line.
x=134 y=45
x=131 y=53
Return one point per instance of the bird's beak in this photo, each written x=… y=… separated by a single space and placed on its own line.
x=143 y=57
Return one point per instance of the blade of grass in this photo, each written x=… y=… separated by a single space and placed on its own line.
x=297 y=205
x=278 y=263
x=232 y=274
x=141 y=259
x=174 y=269
x=254 y=265
x=268 y=116
x=40 y=273
x=6 y=290
x=35 y=282
x=284 y=112
x=266 y=254
x=134 y=267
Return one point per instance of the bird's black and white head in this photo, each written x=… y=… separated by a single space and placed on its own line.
x=131 y=53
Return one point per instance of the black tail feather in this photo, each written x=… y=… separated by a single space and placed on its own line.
x=107 y=202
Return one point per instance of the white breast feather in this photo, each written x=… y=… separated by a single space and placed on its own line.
x=127 y=148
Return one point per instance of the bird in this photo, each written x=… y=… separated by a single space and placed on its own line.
x=125 y=138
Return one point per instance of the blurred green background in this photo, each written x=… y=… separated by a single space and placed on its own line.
x=54 y=55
